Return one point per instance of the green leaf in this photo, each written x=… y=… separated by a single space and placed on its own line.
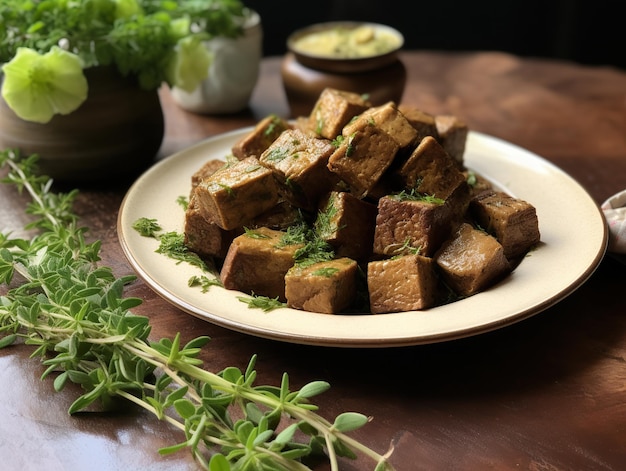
x=129 y=303
x=263 y=437
x=8 y=340
x=168 y=450
x=297 y=453
x=176 y=395
x=198 y=342
x=313 y=389
x=60 y=380
x=343 y=450
x=286 y=435
x=253 y=412
x=185 y=408
x=349 y=421
x=79 y=377
x=383 y=466
x=232 y=374
x=86 y=399
x=219 y=463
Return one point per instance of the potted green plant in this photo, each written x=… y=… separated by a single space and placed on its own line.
x=86 y=73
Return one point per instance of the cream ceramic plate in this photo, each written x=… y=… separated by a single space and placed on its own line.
x=573 y=235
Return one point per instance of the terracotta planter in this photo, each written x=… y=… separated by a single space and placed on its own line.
x=117 y=132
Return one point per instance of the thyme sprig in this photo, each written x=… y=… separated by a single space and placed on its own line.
x=61 y=301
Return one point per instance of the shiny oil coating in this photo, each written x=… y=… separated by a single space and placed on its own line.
x=547 y=393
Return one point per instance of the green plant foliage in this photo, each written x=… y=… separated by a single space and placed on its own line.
x=73 y=313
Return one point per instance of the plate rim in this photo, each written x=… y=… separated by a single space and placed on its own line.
x=278 y=334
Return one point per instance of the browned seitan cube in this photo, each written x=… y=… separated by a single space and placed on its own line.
x=452 y=132
x=405 y=224
x=430 y=170
x=300 y=164
x=424 y=123
x=208 y=168
x=303 y=123
x=363 y=157
x=256 y=141
x=477 y=183
x=203 y=236
x=257 y=262
x=235 y=194
x=279 y=217
x=328 y=287
x=403 y=283
x=511 y=220
x=347 y=223
x=471 y=261
x=334 y=109
x=388 y=118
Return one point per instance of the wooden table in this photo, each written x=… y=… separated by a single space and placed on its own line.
x=546 y=393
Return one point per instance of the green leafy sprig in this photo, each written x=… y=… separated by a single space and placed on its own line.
x=61 y=301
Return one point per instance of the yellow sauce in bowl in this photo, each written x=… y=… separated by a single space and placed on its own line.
x=346 y=42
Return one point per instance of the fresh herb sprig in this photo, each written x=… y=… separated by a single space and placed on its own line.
x=61 y=301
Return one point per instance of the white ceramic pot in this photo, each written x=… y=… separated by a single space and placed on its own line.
x=233 y=73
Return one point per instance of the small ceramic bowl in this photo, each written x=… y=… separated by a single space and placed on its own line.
x=352 y=56
x=346 y=46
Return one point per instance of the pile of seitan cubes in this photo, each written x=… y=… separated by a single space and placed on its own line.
x=405 y=219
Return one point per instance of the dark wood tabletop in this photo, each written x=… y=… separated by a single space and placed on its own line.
x=548 y=393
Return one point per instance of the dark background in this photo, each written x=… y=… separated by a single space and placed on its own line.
x=583 y=31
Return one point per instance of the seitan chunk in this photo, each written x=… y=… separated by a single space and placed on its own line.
x=257 y=262
x=408 y=223
x=300 y=164
x=264 y=133
x=203 y=236
x=477 y=183
x=362 y=157
x=334 y=109
x=511 y=220
x=452 y=132
x=431 y=171
x=347 y=223
x=234 y=195
x=403 y=283
x=471 y=261
x=424 y=123
x=388 y=118
x=208 y=168
x=328 y=287
x=279 y=217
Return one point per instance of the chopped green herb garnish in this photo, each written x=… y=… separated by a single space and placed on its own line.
x=472 y=180
x=272 y=126
x=204 y=282
x=416 y=196
x=264 y=303
x=254 y=234
x=276 y=154
x=326 y=272
x=351 y=147
x=147 y=227
x=183 y=202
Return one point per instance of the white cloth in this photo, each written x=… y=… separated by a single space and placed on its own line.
x=614 y=210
